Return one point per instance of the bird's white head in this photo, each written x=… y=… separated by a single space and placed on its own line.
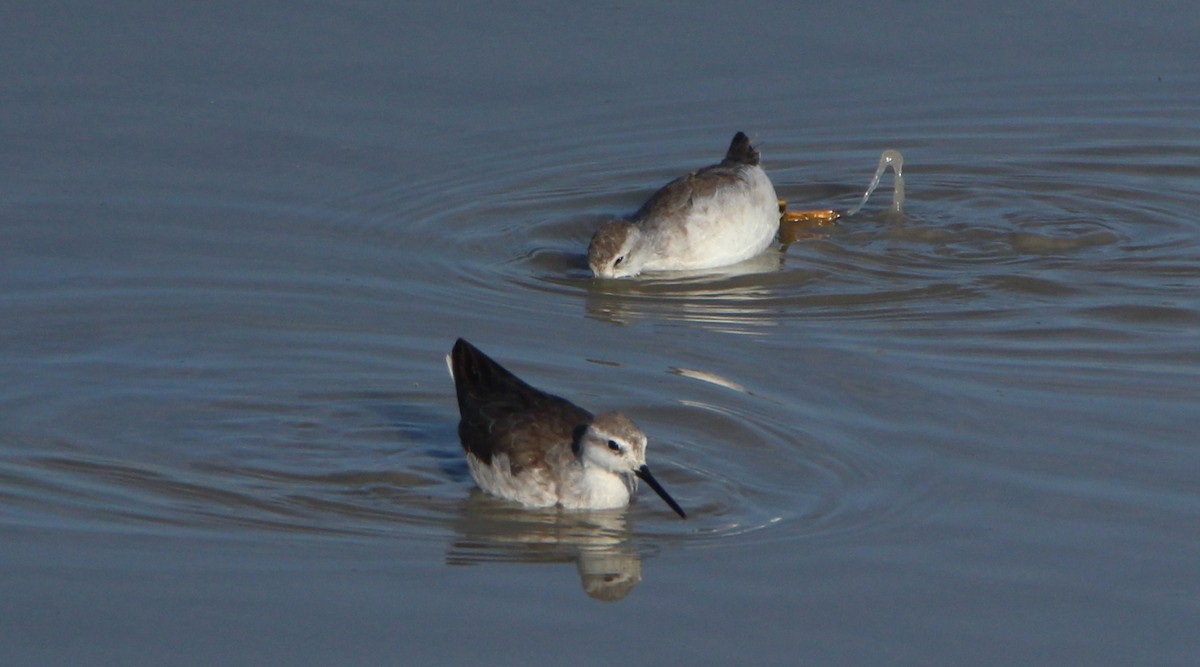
x=613 y=442
x=617 y=250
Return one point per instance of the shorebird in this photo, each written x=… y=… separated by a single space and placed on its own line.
x=719 y=215
x=542 y=450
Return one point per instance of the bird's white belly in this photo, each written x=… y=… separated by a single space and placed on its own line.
x=736 y=223
x=534 y=488
x=582 y=487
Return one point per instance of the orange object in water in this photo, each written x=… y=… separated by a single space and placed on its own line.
x=813 y=217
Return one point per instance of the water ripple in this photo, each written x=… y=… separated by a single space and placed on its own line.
x=278 y=366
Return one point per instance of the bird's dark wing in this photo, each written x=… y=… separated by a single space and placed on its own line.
x=500 y=413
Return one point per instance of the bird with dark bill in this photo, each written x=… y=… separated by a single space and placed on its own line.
x=541 y=450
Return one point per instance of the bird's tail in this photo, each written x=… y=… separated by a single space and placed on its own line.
x=740 y=151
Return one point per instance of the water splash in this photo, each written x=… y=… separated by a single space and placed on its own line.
x=895 y=160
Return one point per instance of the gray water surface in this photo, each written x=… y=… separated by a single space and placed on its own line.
x=236 y=242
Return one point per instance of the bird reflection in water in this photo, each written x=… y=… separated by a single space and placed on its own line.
x=599 y=542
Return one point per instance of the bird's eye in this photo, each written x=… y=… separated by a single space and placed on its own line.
x=613 y=445
x=617 y=261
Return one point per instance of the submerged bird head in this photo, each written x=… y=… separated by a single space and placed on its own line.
x=616 y=250
x=613 y=442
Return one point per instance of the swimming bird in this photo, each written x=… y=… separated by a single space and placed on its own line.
x=542 y=450
x=719 y=215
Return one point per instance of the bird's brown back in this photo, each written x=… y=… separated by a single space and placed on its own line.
x=502 y=414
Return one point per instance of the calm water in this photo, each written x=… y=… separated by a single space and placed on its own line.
x=236 y=243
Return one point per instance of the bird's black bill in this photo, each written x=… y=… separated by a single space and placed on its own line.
x=644 y=474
